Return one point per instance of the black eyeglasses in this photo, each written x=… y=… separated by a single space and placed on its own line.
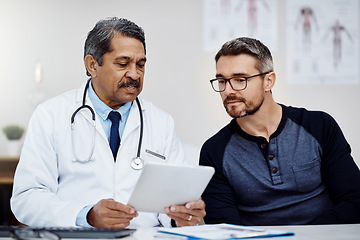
x=236 y=83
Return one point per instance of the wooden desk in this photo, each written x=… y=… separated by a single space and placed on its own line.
x=7 y=169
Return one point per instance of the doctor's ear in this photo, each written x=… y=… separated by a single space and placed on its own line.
x=91 y=65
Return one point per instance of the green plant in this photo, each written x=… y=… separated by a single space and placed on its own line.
x=13 y=132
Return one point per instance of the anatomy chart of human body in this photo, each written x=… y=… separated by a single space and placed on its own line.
x=227 y=19
x=323 y=42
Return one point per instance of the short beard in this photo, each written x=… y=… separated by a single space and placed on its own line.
x=248 y=109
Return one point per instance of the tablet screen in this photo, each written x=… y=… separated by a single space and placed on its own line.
x=163 y=184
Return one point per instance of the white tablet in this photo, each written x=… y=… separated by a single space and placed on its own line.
x=163 y=184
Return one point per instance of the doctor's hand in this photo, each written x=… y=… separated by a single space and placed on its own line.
x=108 y=213
x=187 y=215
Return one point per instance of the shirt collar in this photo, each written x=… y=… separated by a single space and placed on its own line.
x=102 y=109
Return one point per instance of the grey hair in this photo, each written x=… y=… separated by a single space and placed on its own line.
x=98 y=41
x=249 y=46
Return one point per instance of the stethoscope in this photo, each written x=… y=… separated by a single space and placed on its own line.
x=136 y=163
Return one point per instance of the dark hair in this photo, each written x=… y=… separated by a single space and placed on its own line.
x=98 y=39
x=249 y=46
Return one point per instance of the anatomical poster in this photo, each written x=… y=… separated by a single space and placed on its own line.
x=224 y=20
x=322 y=42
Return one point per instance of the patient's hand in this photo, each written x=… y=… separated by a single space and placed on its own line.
x=187 y=215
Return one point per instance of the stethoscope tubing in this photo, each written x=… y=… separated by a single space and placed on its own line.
x=141 y=128
x=137 y=162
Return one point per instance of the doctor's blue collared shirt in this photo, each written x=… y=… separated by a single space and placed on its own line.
x=102 y=111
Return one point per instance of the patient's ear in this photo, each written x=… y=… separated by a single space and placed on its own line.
x=269 y=81
x=91 y=65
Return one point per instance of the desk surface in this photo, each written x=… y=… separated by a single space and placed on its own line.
x=305 y=232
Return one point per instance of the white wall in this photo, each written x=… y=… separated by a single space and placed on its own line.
x=177 y=73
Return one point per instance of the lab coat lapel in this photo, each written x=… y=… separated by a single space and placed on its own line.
x=133 y=121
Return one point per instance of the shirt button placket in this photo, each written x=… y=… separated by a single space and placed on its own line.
x=273 y=163
x=274 y=169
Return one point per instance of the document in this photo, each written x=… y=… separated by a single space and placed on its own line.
x=224 y=232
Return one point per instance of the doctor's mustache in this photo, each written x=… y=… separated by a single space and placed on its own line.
x=131 y=82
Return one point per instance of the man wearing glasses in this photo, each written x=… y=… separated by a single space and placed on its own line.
x=275 y=164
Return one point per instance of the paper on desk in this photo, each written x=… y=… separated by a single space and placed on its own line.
x=224 y=231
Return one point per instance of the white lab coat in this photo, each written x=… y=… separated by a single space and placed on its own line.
x=50 y=188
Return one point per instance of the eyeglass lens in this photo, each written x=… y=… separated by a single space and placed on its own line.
x=237 y=84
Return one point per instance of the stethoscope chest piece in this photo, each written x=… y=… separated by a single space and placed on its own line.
x=137 y=163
